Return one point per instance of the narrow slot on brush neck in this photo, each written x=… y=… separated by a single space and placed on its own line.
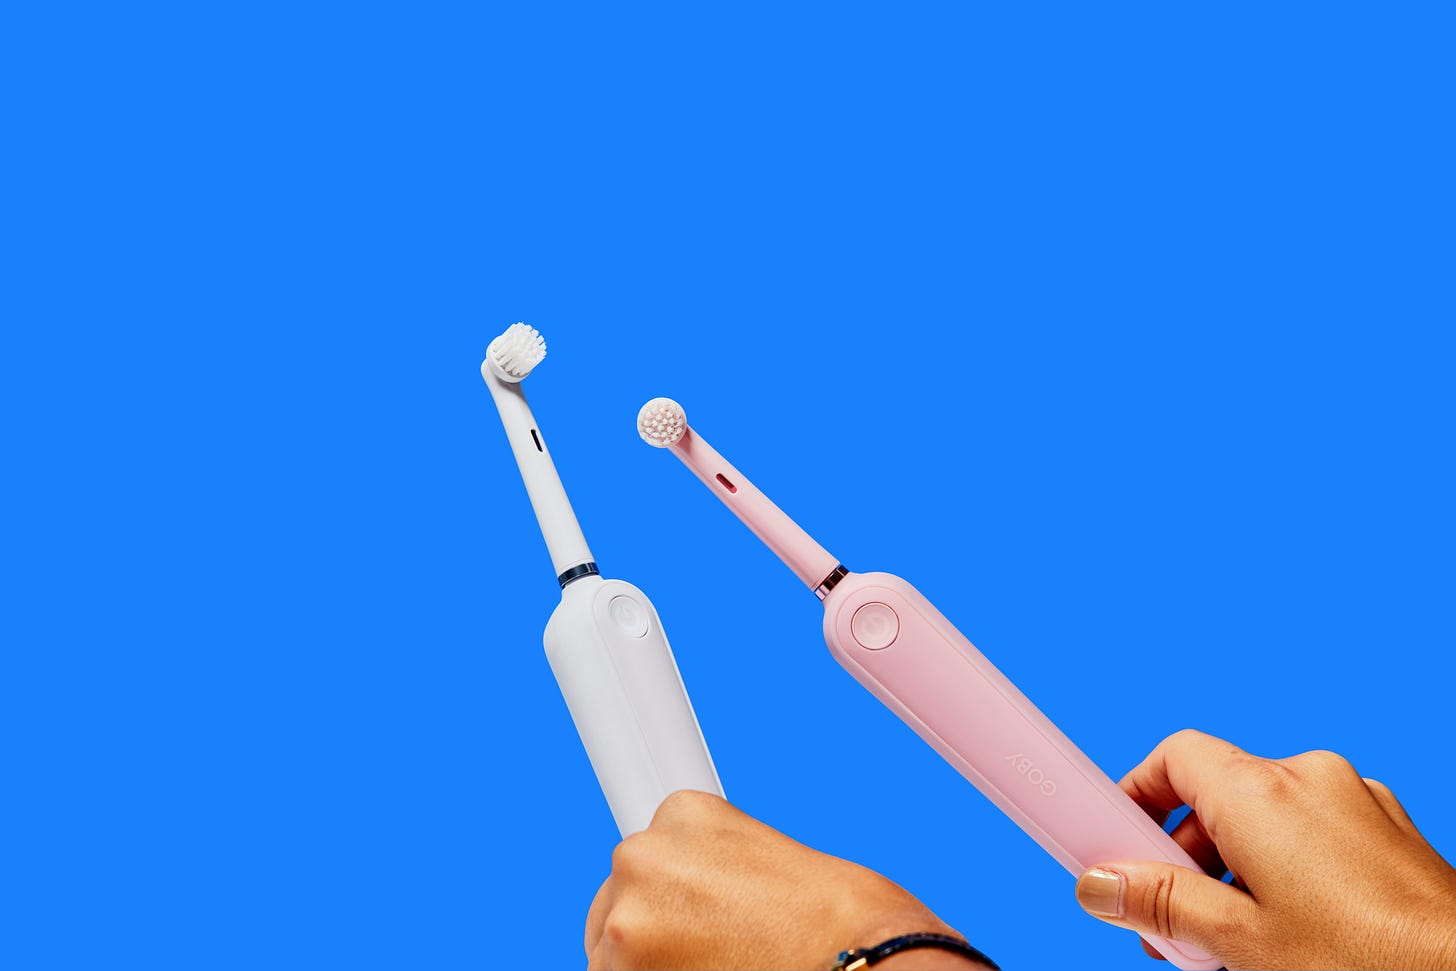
x=811 y=563
x=570 y=555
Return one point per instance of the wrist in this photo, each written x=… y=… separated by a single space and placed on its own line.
x=925 y=957
x=884 y=926
x=928 y=959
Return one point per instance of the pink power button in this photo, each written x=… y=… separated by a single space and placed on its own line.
x=875 y=626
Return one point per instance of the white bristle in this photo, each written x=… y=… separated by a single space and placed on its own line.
x=518 y=350
x=662 y=422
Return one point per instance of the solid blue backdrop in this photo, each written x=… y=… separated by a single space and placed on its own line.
x=1122 y=333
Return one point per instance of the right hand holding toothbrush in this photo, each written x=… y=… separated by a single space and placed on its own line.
x=1336 y=874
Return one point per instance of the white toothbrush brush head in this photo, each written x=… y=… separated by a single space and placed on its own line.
x=514 y=354
x=662 y=423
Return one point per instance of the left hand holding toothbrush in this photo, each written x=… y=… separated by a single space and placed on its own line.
x=707 y=886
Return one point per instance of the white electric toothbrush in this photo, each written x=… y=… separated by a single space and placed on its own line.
x=604 y=641
x=906 y=653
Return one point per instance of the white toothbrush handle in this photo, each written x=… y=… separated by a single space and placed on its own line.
x=616 y=671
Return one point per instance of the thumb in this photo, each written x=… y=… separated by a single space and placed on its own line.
x=1163 y=900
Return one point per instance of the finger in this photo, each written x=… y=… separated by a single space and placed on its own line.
x=604 y=957
x=1158 y=814
x=1188 y=768
x=1391 y=805
x=1190 y=834
x=596 y=915
x=1171 y=902
x=627 y=857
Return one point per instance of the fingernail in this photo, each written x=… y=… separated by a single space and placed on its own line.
x=1099 y=892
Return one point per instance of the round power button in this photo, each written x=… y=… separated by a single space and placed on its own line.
x=627 y=614
x=875 y=626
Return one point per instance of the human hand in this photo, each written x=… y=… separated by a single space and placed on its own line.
x=1333 y=872
x=706 y=886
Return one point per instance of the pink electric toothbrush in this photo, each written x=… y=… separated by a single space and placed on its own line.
x=896 y=644
x=604 y=641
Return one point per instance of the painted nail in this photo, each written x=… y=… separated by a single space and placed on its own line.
x=1100 y=892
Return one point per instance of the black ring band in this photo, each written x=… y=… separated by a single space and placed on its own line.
x=869 y=956
x=577 y=572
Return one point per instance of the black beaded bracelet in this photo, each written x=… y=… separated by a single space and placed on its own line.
x=863 y=957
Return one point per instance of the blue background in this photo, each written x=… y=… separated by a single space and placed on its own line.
x=1123 y=333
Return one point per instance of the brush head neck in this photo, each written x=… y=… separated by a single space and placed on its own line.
x=492 y=371
x=559 y=527
x=812 y=564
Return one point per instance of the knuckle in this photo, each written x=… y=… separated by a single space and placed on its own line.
x=1184 y=736
x=1191 y=743
x=630 y=854
x=684 y=802
x=1158 y=902
x=1262 y=779
x=617 y=931
x=1322 y=764
x=1378 y=787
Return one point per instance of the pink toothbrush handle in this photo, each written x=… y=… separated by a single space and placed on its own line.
x=896 y=644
